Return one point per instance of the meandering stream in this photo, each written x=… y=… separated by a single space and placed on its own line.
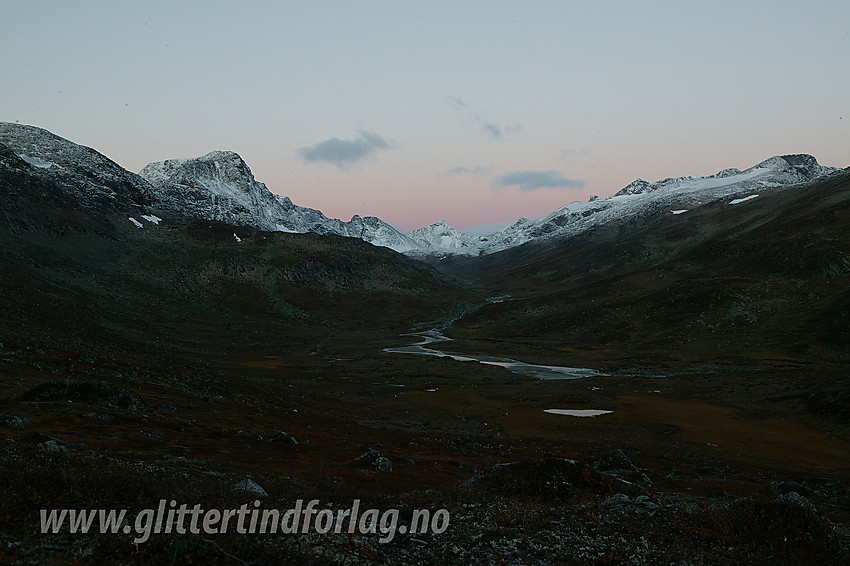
x=532 y=370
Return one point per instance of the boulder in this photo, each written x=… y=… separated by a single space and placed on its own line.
x=374 y=460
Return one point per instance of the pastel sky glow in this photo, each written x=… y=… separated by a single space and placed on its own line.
x=472 y=112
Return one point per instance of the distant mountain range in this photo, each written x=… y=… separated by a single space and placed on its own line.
x=220 y=186
x=675 y=195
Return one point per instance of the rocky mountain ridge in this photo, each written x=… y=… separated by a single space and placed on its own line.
x=440 y=237
x=220 y=186
x=216 y=186
x=83 y=174
x=675 y=195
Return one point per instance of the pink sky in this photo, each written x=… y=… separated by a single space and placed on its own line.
x=593 y=93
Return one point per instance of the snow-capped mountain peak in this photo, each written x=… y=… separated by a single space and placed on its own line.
x=215 y=186
x=440 y=237
x=220 y=186
x=636 y=187
x=674 y=193
x=787 y=169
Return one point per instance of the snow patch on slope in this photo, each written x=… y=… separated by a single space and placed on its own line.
x=745 y=199
x=38 y=161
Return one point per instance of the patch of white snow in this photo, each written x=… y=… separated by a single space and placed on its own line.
x=577 y=412
x=740 y=200
x=38 y=162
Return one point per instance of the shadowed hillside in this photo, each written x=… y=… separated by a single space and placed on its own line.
x=766 y=278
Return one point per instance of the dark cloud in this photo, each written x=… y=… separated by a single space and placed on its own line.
x=477 y=171
x=345 y=153
x=490 y=128
x=527 y=181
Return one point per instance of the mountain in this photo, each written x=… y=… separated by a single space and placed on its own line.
x=750 y=281
x=217 y=186
x=781 y=170
x=82 y=174
x=675 y=195
x=88 y=265
x=375 y=231
x=220 y=186
x=440 y=237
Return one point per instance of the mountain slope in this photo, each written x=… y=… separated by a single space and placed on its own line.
x=220 y=186
x=765 y=277
x=216 y=186
x=440 y=237
x=94 y=181
x=679 y=195
x=78 y=283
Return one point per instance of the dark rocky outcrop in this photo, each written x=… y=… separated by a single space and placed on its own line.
x=97 y=393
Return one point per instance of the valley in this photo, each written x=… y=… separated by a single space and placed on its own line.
x=180 y=358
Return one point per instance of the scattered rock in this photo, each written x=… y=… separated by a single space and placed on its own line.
x=52 y=446
x=11 y=420
x=374 y=460
x=616 y=463
x=548 y=479
x=98 y=393
x=249 y=486
x=466 y=444
x=615 y=460
x=249 y=433
x=284 y=437
x=825 y=488
x=794 y=498
x=100 y=416
x=621 y=502
x=36 y=437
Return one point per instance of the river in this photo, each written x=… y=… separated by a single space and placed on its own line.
x=539 y=371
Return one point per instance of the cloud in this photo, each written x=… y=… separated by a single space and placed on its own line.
x=527 y=181
x=477 y=171
x=345 y=153
x=490 y=128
